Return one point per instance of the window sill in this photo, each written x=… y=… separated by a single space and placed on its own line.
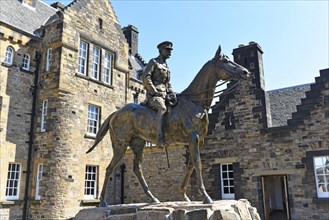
x=93 y=80
x=26 y=71
x=321 y=200
x=7 y=203
x=90 y=136
x=35 y=201
x=86 y=202
x=6 y=64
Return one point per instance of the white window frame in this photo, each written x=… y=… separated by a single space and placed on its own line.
x=226 y=176
x=48 y=58
x=26 y=62
x=90 y=189
x=38 y=182
x=93 y=119
x=96 y=57
x=108 y=68
x=13 y=181
x=321 y=173
x=44 y=115
x=83 y=55
x=9 y=55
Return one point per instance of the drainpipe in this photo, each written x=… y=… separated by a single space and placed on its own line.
x=31 y=133
x=122 y=170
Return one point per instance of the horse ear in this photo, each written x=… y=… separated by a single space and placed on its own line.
x=219 y=50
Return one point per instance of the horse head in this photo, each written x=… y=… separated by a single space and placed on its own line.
x=225 y=69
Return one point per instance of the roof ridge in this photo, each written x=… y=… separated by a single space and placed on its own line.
x=291 y=87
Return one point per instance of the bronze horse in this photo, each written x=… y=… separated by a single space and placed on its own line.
x=185 y=124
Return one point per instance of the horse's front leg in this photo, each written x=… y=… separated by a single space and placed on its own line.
x=194 y=148
x=137 y=149
x=189 y=171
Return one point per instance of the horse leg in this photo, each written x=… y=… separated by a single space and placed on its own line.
x=137 y=146
x=194 y=148
x=189 y=171
x=118 y=153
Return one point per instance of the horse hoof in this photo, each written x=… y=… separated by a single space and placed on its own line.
x=103 y=203
x=186 y=199
x=156 y=201
x=208 y=200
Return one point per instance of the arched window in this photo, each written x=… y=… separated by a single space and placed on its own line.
x=26 y=62
x=9 y=55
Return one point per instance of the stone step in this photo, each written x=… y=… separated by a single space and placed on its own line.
x=220 y=210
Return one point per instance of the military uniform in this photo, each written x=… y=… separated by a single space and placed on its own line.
x=156 y=77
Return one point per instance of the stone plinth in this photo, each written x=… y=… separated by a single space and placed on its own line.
x=220 y=210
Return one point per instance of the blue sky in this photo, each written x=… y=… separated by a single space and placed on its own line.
x=292 y=34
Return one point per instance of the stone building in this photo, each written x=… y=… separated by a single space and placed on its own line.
x=64 y=69
x=271 y=148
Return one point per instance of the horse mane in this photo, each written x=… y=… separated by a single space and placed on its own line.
x=192 y=88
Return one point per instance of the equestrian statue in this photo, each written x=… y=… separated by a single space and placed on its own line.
x=186 y=123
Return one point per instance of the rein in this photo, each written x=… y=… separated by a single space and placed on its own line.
x=223 y=91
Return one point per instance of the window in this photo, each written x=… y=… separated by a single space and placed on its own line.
x=135 y=96
x=252 y=66
x=100 y=23
x=95 y=63
x=48 y=59
x=83 y=51
x=43 y=115
x=227 y=181
x=38 y=181
x=321 y=171
x=93 y=119
x=26 y=62
x=13 y=179
x=108 y=69
x=9 y=55
x=90 y=182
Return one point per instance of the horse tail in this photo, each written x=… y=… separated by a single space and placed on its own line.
x=101 y=133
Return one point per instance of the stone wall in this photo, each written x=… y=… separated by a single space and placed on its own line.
x=257 y=151
x=69 y=94
x=15 y=113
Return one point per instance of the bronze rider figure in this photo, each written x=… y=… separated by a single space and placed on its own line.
x=156 y=79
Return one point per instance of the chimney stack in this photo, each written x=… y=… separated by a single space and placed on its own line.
x=131 y=34
x=58 y=5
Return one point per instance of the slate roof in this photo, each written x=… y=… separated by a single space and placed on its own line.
x=23 y=16
x=283 y=102
x=137 y=66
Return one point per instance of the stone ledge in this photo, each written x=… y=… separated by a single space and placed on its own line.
x=220 y=210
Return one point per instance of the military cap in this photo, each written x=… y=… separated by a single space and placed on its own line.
x=165 y=45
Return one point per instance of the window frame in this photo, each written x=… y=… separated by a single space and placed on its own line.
x=228 y=179
x=83 y=57
x=324 y=175
x=26 y=62
x=44 y=110
x=38 y=181
x=48 y=58
x=107 y=77
x=95 y=63
x=9 y=57
x=18 y=180
x=94 y=179
x=93 y=122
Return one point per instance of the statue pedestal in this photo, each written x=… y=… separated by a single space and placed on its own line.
x=220 y=210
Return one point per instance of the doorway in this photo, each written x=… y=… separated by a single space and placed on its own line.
x=275 y=197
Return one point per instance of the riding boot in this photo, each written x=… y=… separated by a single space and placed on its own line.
x=160 y=136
